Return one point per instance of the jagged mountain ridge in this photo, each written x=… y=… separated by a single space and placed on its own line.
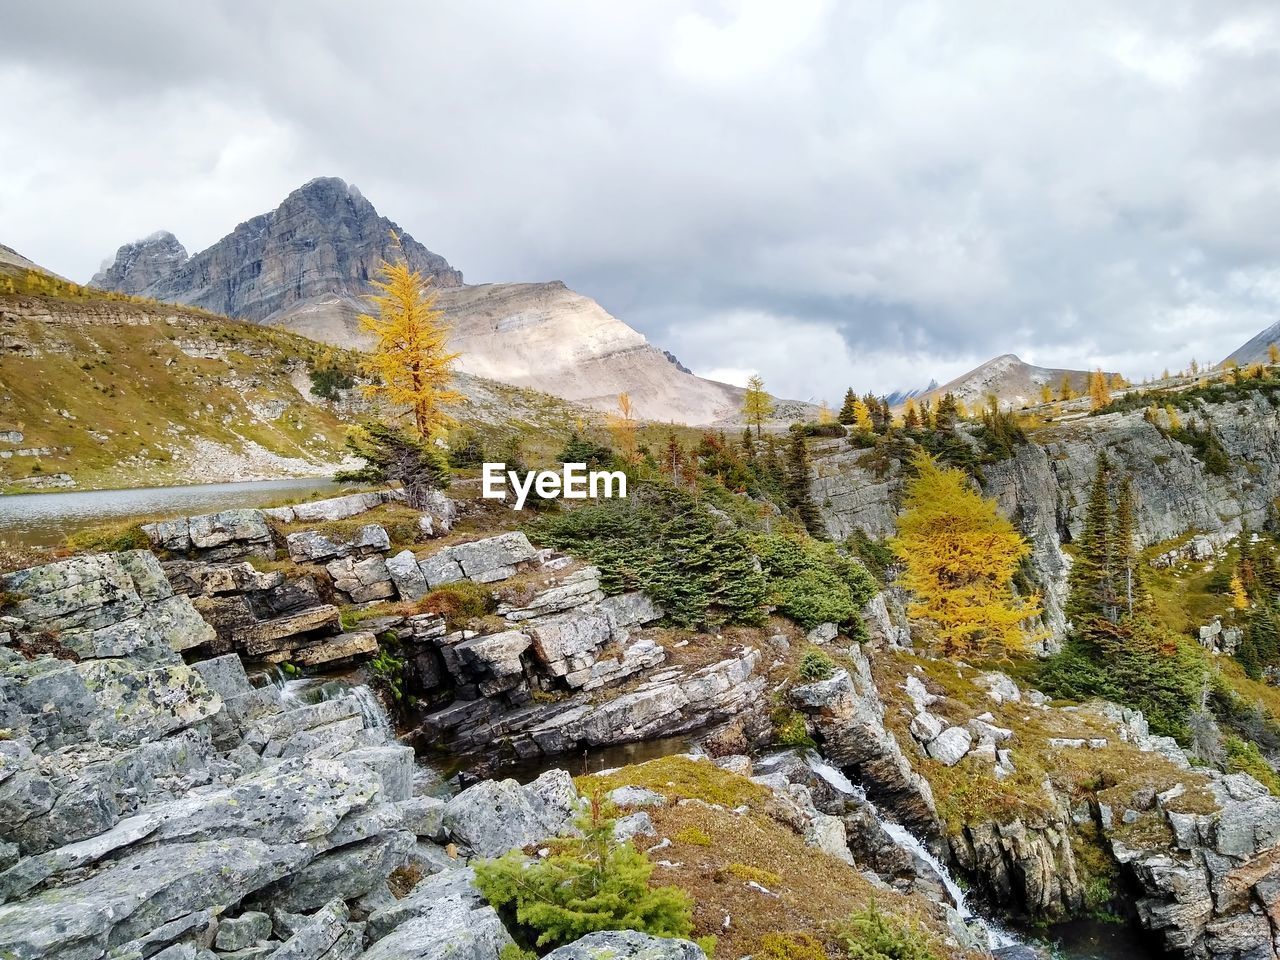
x=305 y=268
x=324 y=238
x=1256 y=349
x=1013 y=382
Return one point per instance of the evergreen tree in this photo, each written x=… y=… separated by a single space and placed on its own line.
x=886 y=417
x=1126 y=552
x=393 y=456
x=875 y=411
x=846 y=415
x=911 y=418
x=591 y=881
x=798 y=485
x=1093 y=573
x=948 y=412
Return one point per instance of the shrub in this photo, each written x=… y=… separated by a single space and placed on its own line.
x=393 y=456
x=790 y=946
x=588 y=883
x=815 y=665
x=466 y=449
x=1132 y=663
x=872 y=935
x=579 y=449
x=820 y=429
x=1244 y=757
x=388 y=673
x=694 y=836
x=109 y=538
x=662 y=541
x=459 y=603
x=327 y=380
x=791 y=730
x=812 y=583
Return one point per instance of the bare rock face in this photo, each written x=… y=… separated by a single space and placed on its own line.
x=141 y=264
x=324 y=239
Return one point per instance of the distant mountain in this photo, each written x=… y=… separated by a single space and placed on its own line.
x=305 y=267
x=899 y=397
x=324 y=239
x=1014 y=383
x=1255 y=350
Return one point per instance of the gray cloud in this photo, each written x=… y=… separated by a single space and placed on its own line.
x=867 y=194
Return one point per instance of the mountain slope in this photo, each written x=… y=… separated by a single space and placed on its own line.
x=1255 y=350
x=1013 y=382
x=324 y=238
x=305 y=268
x=101 y=390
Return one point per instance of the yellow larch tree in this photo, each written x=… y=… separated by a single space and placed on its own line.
x=757 y=407
x=1273 y=354
x=1239 y=597
x=1099 y=395
x=825 y=416
x=862 y=417
x=1046 y=393
x=960 y=556
x=411 y=361
x=625 y=430
x=1064 y=389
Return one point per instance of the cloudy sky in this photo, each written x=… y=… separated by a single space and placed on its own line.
x=827 y=193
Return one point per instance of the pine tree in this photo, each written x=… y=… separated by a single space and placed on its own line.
x=1126 y=552
x=393 y=456
x=911 y=418
x=948 y=412
x=590 y=882
x=798 y=485
x=876 y=412
x=410 y=358
x=757 y=406
x=847 y=415
x=672 y=464
x=1093 y=572
x=960 y=556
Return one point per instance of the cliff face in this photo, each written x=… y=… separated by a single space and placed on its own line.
x=324 y=239
x=1044 y=487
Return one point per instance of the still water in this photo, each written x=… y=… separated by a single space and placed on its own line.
x=46 y=519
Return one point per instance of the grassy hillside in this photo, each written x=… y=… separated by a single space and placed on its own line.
x=111 y=391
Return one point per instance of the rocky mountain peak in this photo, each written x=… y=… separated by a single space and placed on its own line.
x=140 y=264
x=324 y=239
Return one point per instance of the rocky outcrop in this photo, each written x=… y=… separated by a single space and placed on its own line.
x=847 y=716
x=153 y=808
x=1043 y=488
x=324 y=239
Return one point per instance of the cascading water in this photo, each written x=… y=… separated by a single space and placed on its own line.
x=904 y=838
x=300 y=691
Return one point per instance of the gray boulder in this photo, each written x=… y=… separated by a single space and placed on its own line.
x=495 y=816
x=627 y=945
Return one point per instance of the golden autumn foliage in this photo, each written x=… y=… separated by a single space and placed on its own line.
x=1099 y=393
x=411 y=358
x=960 y=556
x=624 y=429
x=861 y=417
x=1239 y=597
x=1273 y=354
x=757 y=407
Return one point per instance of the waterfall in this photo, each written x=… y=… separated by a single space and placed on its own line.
x=909 y=841
x=371 y=709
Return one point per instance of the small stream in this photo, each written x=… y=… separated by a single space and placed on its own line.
x=1084 y=939
x=47 y=519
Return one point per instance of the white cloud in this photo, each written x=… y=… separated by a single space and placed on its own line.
x=889 y=191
